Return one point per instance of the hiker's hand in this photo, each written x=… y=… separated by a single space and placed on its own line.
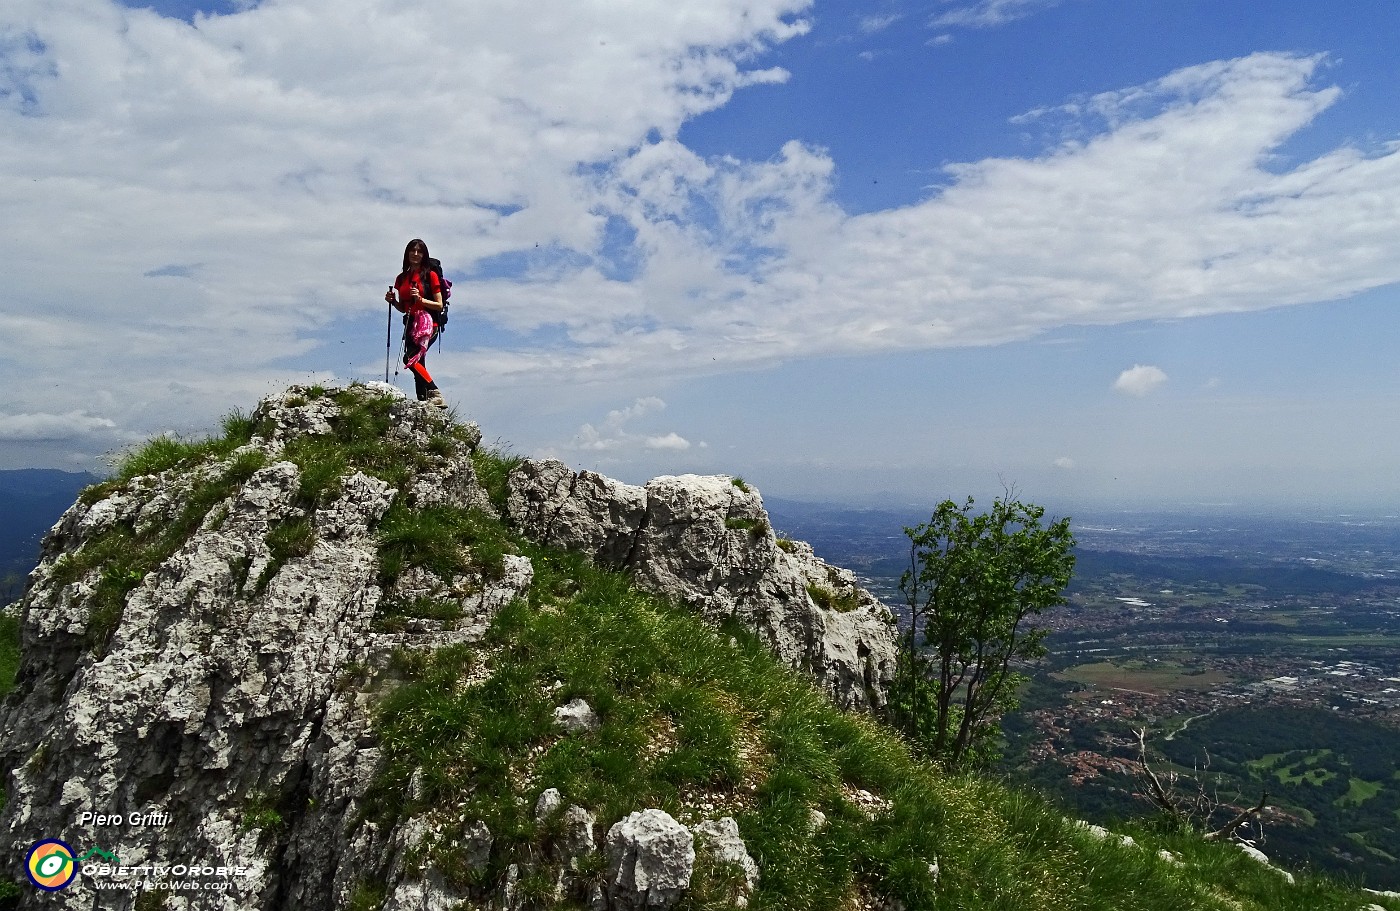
x=389 y=295
x=415 y=296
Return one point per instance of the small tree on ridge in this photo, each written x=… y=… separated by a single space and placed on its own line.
x=973 y=582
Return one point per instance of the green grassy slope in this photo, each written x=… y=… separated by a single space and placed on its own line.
x=702 y=722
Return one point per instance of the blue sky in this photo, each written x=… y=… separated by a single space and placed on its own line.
x=1137 y=254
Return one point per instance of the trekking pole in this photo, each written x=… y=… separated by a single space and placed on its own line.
x=388 y=331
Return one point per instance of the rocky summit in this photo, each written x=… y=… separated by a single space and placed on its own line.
x=204 y=645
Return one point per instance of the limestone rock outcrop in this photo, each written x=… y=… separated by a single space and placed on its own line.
x=199 y=712
x=708 y=542
x=720 y=837
x=651 y=858
x=203 y=648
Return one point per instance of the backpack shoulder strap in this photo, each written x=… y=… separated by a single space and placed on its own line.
x=435 y=266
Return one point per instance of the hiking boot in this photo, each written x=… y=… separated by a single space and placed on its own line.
x=435 y=398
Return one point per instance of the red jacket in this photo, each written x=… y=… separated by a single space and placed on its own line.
x=409 y=280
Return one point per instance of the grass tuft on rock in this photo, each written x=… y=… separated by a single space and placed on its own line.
x=493 y=465
x=827 y=599
x=448 y=540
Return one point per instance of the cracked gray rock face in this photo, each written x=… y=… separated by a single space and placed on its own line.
x=215 y=701
x=707 y=542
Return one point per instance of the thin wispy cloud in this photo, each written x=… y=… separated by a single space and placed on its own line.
x=174 y=270
x=988 y=13
x=869 y=25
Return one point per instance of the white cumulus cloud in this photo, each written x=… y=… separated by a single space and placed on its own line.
x=613 y=433
x=639 y=408
x=1161 y=201
x=242 y=187
x=671 y=440
x=1139 y=380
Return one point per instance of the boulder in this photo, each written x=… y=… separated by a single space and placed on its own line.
x=548 y=804
x=650 y=859
x=1262 y=858
x=582 y=511
x=576 y=717
x=576 y=840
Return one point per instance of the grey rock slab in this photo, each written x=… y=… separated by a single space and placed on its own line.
x=706 y=541
x=650 y=859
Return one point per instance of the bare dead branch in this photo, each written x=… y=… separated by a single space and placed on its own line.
x=1245 y=816
x=1156 y=791
x=1196 y=810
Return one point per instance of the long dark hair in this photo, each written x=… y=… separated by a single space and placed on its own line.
x=423 y=266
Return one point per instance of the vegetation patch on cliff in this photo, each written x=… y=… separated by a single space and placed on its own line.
x=9 y=651
x=116 y=559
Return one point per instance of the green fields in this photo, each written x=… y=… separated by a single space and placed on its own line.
x=1338 y=778
x=1289 y=769
x=1145 y=675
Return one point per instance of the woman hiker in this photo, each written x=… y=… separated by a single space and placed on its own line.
x=417 y=293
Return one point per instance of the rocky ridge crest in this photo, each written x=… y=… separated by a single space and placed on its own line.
x=707 y=542
x=212 y=676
